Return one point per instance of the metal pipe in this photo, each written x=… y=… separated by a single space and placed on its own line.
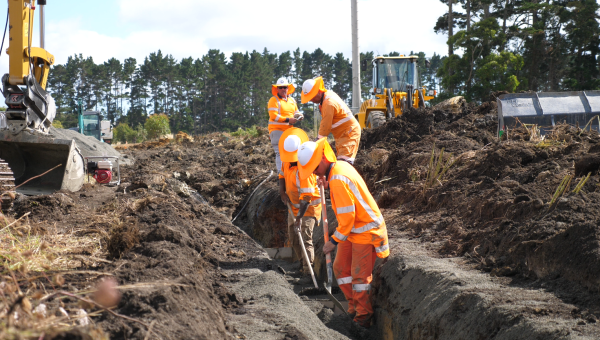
x=356 y=96
x=42 y=5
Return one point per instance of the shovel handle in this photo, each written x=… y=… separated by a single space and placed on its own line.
x=312 y=273
x=326 y=235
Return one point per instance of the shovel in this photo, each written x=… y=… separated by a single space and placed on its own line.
x=328 y=256
x=304 y=253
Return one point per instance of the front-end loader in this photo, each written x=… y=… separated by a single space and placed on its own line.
x=27 y=146
x=396 y=87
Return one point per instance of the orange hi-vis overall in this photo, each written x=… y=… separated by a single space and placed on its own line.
x=279 y=111
x=361 y=235
x=337 y=118
x=302 y=190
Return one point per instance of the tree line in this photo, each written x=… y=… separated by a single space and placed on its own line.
x=211 y=93
x=520 y=45
x=493 y=45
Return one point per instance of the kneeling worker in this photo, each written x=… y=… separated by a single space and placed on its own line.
x=361 y=235
x=300 y=195
x=336 y=118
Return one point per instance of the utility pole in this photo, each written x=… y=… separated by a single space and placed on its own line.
x=356 y=96
x=42 y=4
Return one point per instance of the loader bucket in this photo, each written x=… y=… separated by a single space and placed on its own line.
x=30 y=154
x=546 y=109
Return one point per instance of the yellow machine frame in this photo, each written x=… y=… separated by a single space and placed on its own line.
x=21 y=13
x=380 y=101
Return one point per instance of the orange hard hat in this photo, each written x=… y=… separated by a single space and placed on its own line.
x=289 y=142
x=310 y=88
x=310 y=155
x=283 y=82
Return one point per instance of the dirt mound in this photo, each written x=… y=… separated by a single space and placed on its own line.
x=493 y=206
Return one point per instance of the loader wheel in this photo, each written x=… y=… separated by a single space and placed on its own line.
x=7 y=184
x=376 y=119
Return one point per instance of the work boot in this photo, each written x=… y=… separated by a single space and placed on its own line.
x=358 y=330
x=363 y=321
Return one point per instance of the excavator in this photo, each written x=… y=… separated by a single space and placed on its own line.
x=33 y=159
x=395 y=89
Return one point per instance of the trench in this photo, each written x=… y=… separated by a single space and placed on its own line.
x=418 y=295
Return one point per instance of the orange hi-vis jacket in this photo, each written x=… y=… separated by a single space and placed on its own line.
x=305 y=190
x=359 y=218
x=279 y=110
x=336 y=116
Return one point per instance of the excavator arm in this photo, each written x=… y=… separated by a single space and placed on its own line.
x=27 y=146
x=24 y=87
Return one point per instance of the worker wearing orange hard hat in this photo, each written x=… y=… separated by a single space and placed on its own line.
x=336 y=118
x=361 y=235
x=283 y=113
x=300 y=195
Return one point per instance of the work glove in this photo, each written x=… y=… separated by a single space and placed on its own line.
x=297 y=225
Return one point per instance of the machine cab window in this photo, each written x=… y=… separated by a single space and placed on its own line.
x=396 y=73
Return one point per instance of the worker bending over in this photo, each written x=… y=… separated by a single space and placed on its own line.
x=283 y=113
x=336 y=118
x=361 y=235
x=301 y=196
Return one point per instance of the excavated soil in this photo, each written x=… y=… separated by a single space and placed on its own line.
x=167 y=230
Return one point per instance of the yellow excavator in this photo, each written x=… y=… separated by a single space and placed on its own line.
x=27 y=146
x=396 y=87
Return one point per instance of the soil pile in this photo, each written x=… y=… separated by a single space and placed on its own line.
x=494 y=206
x=186 y=271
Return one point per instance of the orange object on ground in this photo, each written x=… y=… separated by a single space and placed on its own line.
x=353 y=269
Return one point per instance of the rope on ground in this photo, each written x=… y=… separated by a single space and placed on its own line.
x=249 y=197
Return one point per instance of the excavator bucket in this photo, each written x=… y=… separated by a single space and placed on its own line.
x=546 y=109
x=30 y=154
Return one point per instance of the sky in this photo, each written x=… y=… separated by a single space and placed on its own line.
x=184 y=28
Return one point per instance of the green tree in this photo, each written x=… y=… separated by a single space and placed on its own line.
x=157 y=125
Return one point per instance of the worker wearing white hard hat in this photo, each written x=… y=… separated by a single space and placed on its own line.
x=336 y=118
x=361 y=235
x=283 y=113
x=300 y=195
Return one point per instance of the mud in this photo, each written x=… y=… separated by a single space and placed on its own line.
x=482 y=251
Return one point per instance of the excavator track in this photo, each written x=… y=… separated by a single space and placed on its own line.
x=7 y=185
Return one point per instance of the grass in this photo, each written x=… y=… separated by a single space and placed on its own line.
x=561 y=189
x=32 y=268
x=437 y=168
x=252 y=132
x=581 y=183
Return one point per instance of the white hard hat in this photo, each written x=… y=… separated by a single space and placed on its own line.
x=292 y=143
x=306 y=151
x=307 y=86
x=282 y=82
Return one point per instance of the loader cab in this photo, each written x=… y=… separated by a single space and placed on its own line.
x=89 y=124
x=395 y=73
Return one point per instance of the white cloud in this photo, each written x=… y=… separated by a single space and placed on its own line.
x=189 y=28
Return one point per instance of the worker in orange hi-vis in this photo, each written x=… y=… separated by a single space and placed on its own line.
x=361 y=235
x=283 y=113
x=301 y=196
x=336 y=118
